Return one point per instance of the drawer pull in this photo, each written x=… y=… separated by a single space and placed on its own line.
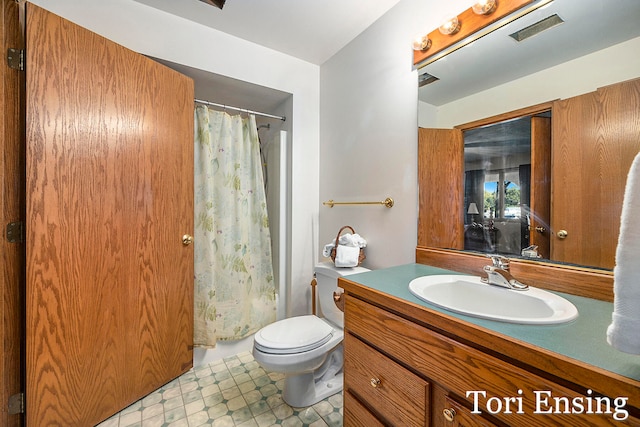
x=375 y=382
x=449 y=414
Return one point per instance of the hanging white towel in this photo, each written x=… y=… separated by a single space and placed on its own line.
x=624 y=331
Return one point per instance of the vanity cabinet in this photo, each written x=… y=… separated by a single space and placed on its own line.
x=407 y=365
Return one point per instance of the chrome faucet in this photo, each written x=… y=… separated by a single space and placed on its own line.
x=498 y=274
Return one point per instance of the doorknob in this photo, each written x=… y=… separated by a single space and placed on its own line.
x=187 y=239
x=449 y=414
x=539 y=229
x=562 y=234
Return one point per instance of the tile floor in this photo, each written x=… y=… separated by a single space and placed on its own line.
x=235 y=391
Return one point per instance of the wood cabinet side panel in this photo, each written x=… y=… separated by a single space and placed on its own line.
x=599 y=132
x=440 y=217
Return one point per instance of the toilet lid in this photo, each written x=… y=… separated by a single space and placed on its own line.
x=293 y=335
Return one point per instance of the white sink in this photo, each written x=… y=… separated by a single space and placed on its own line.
x=468 y=295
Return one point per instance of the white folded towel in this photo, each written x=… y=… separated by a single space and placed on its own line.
x=347 y=256
x=347 y=239
x=624 y=331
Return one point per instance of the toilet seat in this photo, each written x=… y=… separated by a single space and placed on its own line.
x=293 y=335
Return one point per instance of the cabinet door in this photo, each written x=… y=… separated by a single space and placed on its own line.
x=441 y=168
x=109 y=181
x=599 y=132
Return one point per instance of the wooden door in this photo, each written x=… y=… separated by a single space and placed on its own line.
x=599 y=132
x=11 y=209
x=540 y=198
x=441 y=169
x=109 y=166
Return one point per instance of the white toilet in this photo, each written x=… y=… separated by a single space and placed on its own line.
x=308 y=349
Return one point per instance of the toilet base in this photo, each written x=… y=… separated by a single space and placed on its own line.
x=303 y=390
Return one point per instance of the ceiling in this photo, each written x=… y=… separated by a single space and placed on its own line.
x=229 y=91
x=309 y=30
x=590 y=25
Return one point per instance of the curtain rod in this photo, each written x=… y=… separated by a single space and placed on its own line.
x=244 y=110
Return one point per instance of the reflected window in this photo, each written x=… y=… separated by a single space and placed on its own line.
x=502 y=195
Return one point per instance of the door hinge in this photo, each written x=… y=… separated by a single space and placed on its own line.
x=15 y=58
x=15 y=232
x=16 y=404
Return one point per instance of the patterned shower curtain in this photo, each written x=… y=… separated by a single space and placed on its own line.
x=234 y=284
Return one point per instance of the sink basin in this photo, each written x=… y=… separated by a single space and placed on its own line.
x=468 y=295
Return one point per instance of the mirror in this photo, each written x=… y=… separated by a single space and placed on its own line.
x=494 y=60
x=497 y=178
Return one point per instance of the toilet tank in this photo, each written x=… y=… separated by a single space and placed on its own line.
x=327 y=282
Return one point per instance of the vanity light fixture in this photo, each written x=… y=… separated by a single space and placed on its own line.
x=469 y=26
x=484 y=7
x=421 y=43
x=450 y=26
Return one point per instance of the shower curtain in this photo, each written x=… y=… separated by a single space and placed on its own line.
x=234 y=283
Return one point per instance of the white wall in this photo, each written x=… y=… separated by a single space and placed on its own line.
x=368 y=132
x=156 y=33
x=582 y=75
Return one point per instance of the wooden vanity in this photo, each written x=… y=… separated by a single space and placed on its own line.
x=409 y=363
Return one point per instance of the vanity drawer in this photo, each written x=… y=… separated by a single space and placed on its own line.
x=462 y=369
x=356 y=415
x=397 y=395
x=456 y=415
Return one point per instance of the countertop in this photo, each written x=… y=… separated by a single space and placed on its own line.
x=583 y=339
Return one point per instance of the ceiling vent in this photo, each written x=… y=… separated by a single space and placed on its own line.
x=537 y=28
x=425 y=79
x=216 y=3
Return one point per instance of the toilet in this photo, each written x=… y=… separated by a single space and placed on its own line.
x=308 y=349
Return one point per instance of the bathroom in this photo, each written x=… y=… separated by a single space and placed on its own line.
x=328 y=129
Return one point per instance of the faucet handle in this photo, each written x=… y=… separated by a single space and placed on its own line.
x=499 y=261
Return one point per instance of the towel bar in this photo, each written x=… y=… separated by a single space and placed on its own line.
x=388 y=202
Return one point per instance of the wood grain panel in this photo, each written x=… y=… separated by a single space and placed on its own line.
x=599 y=132
x=356 y=415
x=440 y=217
x=110 y=185
x=401 y=398
x=12 y=209
x=461 y=368
x=161 y=192
x=463 y=416
x=544 y=362
x=540 y=184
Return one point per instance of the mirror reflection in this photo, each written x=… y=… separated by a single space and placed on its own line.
x=497 y=190
x=509 y=187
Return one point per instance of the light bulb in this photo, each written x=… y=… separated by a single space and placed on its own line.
x=484 y=7
x=450 y=26
x=421 y=43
